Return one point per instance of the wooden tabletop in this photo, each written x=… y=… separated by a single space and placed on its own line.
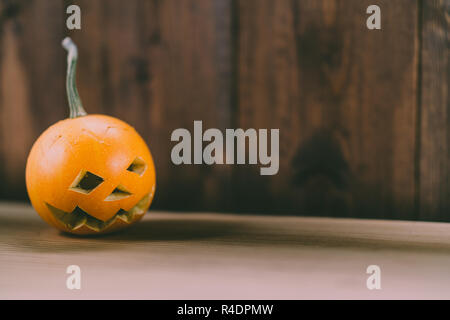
x=209 y=256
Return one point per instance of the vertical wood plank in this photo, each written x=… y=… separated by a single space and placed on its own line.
x=160 y=65
x=344 y=98
x=435 y=112
x=31 y=83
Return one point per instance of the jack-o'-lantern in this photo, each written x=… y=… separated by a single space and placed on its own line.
x=89 y=174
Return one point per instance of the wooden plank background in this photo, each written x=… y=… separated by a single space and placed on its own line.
x=363 y=115
x=435 y=112
x=343 y=98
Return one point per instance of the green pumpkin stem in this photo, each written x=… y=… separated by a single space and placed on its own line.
x=75 y=105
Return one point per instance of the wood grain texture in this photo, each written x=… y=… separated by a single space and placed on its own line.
x=364 y=115
x=32 y=92
x=217 y=256
x=344 y=98
x=160 y=65
x=435 y=112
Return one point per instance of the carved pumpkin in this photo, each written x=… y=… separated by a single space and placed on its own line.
x=89 y=174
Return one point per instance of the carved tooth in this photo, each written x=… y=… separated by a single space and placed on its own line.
x=76 y=218
x=126 y=216
x=138 y=209
x=77 y=222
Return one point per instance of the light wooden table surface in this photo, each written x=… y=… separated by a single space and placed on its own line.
x=209 y=256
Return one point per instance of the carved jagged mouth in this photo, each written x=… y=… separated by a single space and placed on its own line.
x=78 y=218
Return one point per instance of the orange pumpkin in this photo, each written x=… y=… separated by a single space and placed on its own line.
x=89 y=174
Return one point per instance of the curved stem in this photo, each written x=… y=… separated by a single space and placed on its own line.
x=75 y=105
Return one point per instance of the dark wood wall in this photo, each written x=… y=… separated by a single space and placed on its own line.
x=364 y=116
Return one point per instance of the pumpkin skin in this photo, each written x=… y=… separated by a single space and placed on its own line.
x=89 y=174
x=102 y=145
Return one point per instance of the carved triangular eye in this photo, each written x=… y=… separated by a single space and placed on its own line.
x=138 y=166
x=120 y=192
x=85 y=182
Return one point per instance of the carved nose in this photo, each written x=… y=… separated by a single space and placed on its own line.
x=119 y=193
